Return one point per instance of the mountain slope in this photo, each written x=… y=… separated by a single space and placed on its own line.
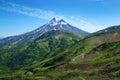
x=95 y=57
x=110 y=29
x=54 y=24
x=17 y=55
x=82 y=48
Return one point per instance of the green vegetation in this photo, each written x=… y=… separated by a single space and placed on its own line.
x=62 y=55
x=17 y=55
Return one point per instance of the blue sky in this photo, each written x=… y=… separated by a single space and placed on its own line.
x=20 y=16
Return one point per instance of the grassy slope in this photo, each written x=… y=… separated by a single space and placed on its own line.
x=93 y=58
x=93 y=62
x=20 y=56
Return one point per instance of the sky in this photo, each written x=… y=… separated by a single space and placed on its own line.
x=21 y=16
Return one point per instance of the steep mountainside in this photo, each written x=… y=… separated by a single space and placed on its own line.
x=93 y=58
x=54 y=24
x=61 y=55
x=15 y=55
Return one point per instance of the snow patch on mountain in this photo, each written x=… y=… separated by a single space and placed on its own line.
x=57 y=21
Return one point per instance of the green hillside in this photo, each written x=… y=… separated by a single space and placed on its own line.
x=62 y=55
x=15 y=57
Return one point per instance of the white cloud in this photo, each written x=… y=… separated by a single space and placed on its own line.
x=79 y=22
x=39 y=13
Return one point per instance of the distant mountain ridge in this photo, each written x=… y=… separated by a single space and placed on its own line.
x=110 y=29
x=54 y=24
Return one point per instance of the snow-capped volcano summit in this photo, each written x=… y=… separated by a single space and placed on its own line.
x=56 y=21
x=54 y=24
